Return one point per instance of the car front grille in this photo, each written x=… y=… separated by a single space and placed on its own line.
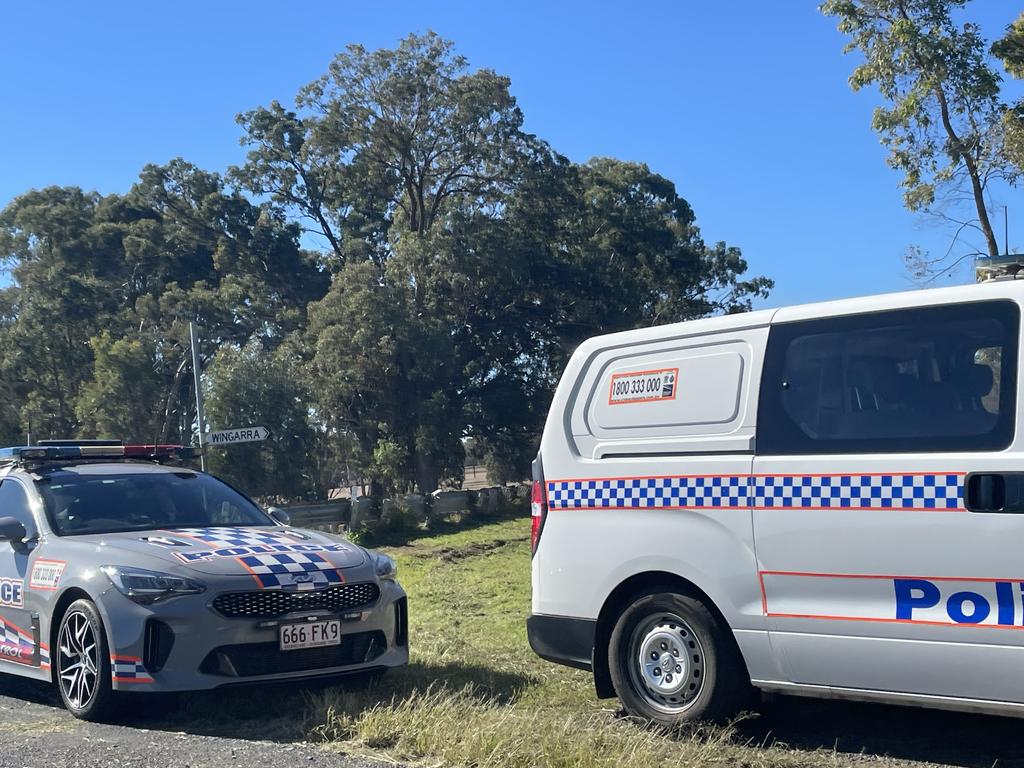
x=269 y=604
x=254 y=659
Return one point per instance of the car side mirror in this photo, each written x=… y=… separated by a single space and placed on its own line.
x=280 y=515
x=12 y=530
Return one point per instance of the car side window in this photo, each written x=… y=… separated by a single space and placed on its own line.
x=14 y=502
x=917 y=380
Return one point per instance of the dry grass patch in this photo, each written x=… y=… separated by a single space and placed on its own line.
x=476 y=695
x=457 y=728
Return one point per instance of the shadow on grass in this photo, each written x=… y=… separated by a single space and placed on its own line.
x=287 y=711
x=905 y=733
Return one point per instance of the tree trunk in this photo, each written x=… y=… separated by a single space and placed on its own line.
x=426 y=472
x=977 y=188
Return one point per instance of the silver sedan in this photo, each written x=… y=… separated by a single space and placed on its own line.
x=121 y=573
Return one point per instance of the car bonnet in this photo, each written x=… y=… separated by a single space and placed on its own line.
x=275 y=556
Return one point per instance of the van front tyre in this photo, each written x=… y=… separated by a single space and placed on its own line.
x=672 y=662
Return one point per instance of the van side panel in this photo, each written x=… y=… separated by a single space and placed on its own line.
x=877 y=574
x=652 y=483
x=585 y=554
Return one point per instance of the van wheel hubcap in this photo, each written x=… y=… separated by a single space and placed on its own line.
x=77 y=660
x=667 y=663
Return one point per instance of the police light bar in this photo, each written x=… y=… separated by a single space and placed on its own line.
x=162 y=452
x=63 y=450
x=74 y=443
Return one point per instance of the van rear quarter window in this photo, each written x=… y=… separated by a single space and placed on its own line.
x=916 y=380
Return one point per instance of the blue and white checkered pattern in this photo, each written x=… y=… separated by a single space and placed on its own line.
x=128 y=669
x=900 y=492
x=292 y=571
x=857 y=492
x=235 y=537
x=697 y=492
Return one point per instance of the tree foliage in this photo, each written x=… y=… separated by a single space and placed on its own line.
x=1010 y=49
x=942 y=121
x=251 y=386
x=462 y=260
x=94 y=339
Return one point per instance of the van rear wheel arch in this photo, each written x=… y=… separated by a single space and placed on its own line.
x=622 y=596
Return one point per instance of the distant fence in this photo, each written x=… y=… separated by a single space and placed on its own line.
x=348 y=515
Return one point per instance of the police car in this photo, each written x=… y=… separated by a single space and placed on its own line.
x=120 y=571
x=824 y=500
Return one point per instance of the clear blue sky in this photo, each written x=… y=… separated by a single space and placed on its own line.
x=743 y=104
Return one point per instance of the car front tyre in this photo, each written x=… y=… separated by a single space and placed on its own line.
x=673 y=662
x=81 y=662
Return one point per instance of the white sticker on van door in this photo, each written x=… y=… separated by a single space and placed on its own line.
x=643 y=386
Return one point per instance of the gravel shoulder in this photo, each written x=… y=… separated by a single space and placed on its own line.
x=35 y=732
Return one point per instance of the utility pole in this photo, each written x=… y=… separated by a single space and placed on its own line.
x=1006 y=230
x=200 y=415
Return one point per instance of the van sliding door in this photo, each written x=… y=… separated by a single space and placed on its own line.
x=887 y=517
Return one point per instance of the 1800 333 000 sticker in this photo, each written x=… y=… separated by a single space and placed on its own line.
x=643 y=386
x=46 y=574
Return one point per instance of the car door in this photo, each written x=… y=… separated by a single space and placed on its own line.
x=18 y=629
x=878 y=432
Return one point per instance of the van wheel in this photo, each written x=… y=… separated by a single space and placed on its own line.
x=82 y=663
x=671 y=661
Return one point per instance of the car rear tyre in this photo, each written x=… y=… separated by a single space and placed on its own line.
x=672 y=661
x=82 y=663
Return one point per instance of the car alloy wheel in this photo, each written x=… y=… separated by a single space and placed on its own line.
x=78 y=660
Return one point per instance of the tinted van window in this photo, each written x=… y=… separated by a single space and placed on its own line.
x=921 y=380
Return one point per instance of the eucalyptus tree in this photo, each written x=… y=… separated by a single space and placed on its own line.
x=942 y=121
x=1010 y=49
x=468 y=257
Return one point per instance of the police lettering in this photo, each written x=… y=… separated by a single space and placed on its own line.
x=11 y=650
x=256 y=549
x=10 y=593
x=914 y=597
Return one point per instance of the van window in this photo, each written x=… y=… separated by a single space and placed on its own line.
x=916 y=380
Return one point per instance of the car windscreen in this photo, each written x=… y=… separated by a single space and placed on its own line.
x=78 y=504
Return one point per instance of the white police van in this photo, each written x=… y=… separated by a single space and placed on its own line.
x=824 y=500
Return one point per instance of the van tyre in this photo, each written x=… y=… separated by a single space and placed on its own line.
x=672 y=662
x=81 y=663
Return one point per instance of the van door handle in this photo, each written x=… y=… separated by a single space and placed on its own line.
x=994 y=492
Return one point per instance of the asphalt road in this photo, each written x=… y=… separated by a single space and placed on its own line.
x=36 y=732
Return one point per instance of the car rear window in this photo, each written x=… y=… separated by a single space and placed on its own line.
x=78 y=504
x=917 y=380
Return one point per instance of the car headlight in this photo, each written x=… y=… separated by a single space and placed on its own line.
x=149 y=586
x=385 y=567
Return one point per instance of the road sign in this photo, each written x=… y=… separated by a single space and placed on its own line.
x=238 y=435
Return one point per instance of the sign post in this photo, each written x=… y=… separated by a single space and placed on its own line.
x=200 y=416
x=237 y=435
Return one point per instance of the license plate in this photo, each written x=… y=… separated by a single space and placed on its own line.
x=309 y=634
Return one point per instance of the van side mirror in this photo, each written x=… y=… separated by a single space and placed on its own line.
x=12 y=530
x=280 y=515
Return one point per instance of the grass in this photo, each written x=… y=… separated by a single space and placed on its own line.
x=475 y=695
